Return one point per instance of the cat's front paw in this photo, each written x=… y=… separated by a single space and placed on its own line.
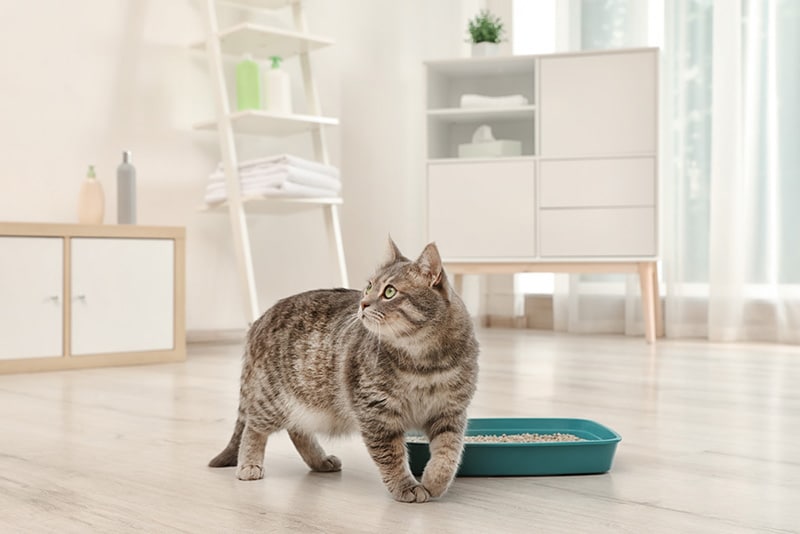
x=415 y=493
x=249 y=472
x=329 y=465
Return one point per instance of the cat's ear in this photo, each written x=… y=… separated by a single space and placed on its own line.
x=431 y=264
x=393 y=253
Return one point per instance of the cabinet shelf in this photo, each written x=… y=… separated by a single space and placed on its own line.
x=265 y=41
x=257 y=122
x=461 y=115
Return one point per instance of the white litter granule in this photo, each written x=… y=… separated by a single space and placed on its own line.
x=508 y=438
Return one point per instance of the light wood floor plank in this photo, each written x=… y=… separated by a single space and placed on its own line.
x=711 y=443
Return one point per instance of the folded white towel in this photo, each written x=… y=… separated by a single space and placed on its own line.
x=280 y=173
x=286 y=159
x=284 y=190
x=481 y=101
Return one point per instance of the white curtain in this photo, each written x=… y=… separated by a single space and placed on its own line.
x=730 y=173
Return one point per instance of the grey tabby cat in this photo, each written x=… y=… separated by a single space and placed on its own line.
x=400 y=355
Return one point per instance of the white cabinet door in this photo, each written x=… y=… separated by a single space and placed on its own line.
x=482 y=209
x=122 y=295
x=31 y=297
x=599 y=104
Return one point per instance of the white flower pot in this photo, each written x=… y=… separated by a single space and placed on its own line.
x=485 y=49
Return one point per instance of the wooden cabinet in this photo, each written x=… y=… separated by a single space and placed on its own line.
x=31 y=297
x=83 y=296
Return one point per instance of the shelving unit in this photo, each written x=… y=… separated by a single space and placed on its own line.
x=262 y=42
x=583 y=194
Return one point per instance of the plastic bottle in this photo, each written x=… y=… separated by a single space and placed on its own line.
x=91 y=201
x=248 y=84
x=278 y=88
x=126 y=190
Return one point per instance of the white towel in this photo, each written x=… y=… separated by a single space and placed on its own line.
x=284 y=190
x=481 y=101
x=286 y=159
x=279 y=173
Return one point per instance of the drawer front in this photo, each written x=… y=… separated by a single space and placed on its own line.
x=597 y=232
x=482 y=209
x=597 y=183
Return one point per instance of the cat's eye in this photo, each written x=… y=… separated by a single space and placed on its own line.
x=389 y=292
x=369 y=288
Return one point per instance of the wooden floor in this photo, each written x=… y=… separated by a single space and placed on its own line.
x=711 y=443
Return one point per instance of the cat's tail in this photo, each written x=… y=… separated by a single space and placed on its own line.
x=228 y=457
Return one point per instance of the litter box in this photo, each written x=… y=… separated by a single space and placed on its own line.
x=592 y=455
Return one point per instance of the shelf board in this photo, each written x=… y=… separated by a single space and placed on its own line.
x=459 y=115
x=265 y=41
x=456 y=160
x=472 y=67
x=257 y=122
x=260 y=4
x=272 y=204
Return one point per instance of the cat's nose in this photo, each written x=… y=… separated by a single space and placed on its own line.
x=364 y=304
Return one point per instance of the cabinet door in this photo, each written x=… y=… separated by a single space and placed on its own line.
x=122 y=295
x=31 y=297
x=599 y=104
x=482 y=209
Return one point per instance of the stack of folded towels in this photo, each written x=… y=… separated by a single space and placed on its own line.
x=278 y=176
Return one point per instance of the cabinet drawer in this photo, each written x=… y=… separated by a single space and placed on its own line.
x=482 y=209
x=597 y=232
x=597 y=183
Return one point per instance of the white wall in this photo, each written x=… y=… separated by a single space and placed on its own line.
x=85 y=79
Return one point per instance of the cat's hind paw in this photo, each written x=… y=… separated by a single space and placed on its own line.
x=412 y=494
x=249 y=472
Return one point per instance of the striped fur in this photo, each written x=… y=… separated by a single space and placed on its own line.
x=378 y=362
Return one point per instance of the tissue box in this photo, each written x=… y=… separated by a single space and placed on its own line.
x=490 y=149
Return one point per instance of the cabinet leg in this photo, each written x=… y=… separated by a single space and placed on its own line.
x=335 y=237
x=458 y=283
x=646 y=277
x=657 y=300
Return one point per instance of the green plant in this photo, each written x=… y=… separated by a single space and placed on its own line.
x=485 y=28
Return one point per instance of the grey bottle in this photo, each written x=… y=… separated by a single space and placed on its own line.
x=126 y=190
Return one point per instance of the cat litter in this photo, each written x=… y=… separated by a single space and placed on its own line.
x=508 y=438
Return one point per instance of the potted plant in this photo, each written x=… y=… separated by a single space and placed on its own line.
x=485 y=31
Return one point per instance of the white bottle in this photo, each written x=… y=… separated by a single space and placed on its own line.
x=126 y=190
x=277 y=88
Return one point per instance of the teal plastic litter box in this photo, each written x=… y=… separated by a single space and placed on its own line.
x=592 y=455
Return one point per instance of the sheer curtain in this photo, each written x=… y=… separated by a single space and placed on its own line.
x=730 y=170
x=732 y=174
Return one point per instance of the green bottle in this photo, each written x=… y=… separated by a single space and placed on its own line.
x=248 y=84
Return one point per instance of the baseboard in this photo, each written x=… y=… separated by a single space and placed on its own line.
x=234 y=335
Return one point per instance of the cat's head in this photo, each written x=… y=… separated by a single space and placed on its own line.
x=405 y=298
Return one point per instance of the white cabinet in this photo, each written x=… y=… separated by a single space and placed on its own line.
x=583 y=194
x=585 y=186
x=493 y=204
x=122 y=295
x=75 y=296
x=31 y=297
